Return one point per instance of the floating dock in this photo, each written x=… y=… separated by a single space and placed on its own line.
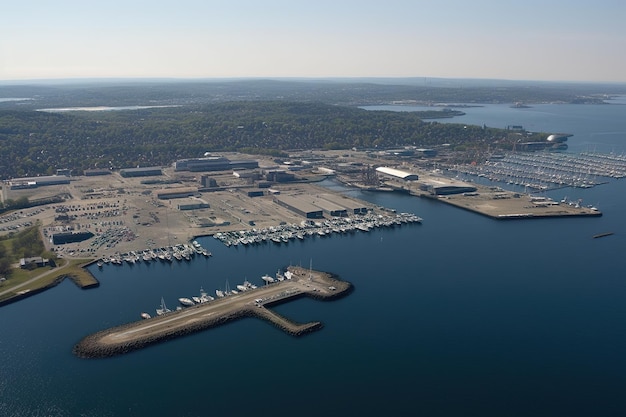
x=252 y=303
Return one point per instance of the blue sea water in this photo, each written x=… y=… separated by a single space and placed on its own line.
x=459 y=316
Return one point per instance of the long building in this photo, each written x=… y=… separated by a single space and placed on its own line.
x=351 y=206
x=213 y=163
x=444 y=186
x=33 y=182
x=300 y=206
x=178 y=192
x=397 y=174
x=327 y=206
x=140 y=172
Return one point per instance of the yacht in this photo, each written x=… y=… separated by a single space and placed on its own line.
x=186 y=301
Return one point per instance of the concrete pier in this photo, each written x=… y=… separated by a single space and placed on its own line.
x=252 y=303
x=500 y=204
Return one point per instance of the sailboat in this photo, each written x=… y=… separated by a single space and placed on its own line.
x=163 y=308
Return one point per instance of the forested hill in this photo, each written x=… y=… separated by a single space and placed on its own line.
x=34 y=142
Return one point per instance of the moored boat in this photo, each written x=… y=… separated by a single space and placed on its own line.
x=186 y=301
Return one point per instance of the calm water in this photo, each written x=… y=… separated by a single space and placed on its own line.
x=459 y=316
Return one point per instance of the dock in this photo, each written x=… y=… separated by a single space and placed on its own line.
x=500 y=204
x=253 y=303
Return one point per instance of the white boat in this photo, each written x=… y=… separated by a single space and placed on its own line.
x=163 y=308
x=219 y=293
x=267 y=278
x=186 y=301
x=145 y=316
x=204 y=297
x=249 y=285
x=242 y=287
x=196 y=300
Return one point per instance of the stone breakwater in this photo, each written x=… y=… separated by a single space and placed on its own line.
x=133 y=336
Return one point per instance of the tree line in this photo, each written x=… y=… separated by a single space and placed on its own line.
x=38 y=143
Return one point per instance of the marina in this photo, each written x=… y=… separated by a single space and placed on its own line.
x=310 y=228
x=542 y=171
x=252 y=303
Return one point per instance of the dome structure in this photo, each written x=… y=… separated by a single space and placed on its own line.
x=558 y=138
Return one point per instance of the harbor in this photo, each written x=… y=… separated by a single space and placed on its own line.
x=298 y=282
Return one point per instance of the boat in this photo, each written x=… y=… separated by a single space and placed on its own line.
x=249 y=285
x=196 y=300
x=599 y=235
x=163 y=308
x=219 y=293
x=267 y=279
x=204 y=297
x=145 y=315
x=100 y=263
x=186 y=301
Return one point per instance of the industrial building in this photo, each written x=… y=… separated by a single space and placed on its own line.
x=328 y=207
x=213 y=163
x=444 y=186
x=300 y=206
x=279 y=175
x=140 y=172
x=351 y=206
x=397 y=174
x=34 y=182
x=70 y=237
x=192 y=204
x=179 y=192
x=208 y=182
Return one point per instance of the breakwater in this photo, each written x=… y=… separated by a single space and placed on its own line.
x=253 y=303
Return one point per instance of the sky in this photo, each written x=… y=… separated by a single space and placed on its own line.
x=551 y=40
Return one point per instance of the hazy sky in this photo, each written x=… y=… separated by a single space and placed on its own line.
x=577 y=40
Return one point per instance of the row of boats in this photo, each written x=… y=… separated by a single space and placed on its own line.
x=286 y=232
x=549 y=170
x=204 y=297
x=180 y=252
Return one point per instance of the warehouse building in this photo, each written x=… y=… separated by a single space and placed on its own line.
x=328 y=207
x=140 y=172
x=180 y=192
x=213 y=163
x=299 y=206
x=34 y=182
x=352 y=206
x=279 y=175
x=192 y=204
x=70 y=237
x=397 y=174
x=444 y=186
